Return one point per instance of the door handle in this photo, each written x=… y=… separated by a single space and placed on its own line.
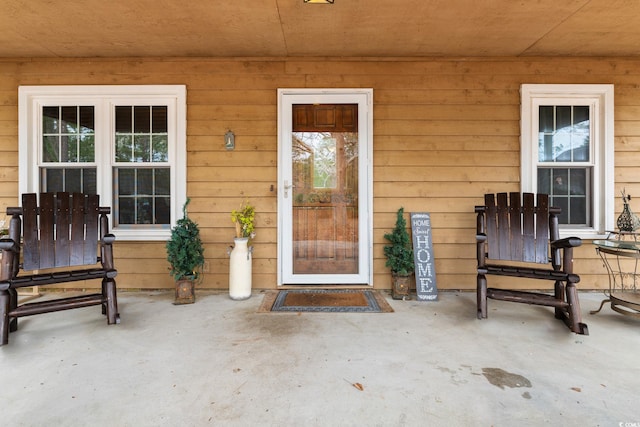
x=287 y=186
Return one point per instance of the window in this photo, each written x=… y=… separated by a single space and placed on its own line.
x=567 y=152
x=126 y=143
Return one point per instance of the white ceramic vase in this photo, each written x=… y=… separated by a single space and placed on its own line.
x=240 y=269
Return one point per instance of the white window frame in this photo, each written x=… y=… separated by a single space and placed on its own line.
x=600 y=99
x=31 y=99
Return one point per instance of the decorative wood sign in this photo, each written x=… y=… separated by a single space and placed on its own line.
x=424 y=260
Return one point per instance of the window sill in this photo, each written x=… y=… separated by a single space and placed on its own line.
x=141 y=235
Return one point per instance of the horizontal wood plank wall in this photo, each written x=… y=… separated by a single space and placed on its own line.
x=445 y=132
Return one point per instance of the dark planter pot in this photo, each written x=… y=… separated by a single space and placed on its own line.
x=400 y=286
x=185 y=292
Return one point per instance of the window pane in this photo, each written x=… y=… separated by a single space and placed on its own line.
x=68 y=179
x=50 y=119
x=578 y=210
x=53 y=180
x=124 y=148
x=162 y=182
x=545 y=152
x=73 y=181
x=564 y=134
x=544 y=181
x=159 y=119
x=126 y=182
x=142 y=195
x=163 y=210
x=142 y=148
x=69 y=148
x=569 y=190
x=87 y=148
x=578 y=182
x=560 y=182
x=159 y=128
x=87 y=120
x=69 y=119
x=144 y=210
x=126 y=210
x=145 y=181
x=561 y=147
x=581 y=132
x=123 y=119
x=324 y=163
x=563 y=117
x=546 y=118
x=135 y=141
x=563 y=204
x=89 y=181
x=580 y=114
x=160 y=148
x=142 y=119
x=580 y=148
x=68 y=134
x=50 y=146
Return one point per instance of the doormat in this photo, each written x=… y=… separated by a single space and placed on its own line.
x=325 y=301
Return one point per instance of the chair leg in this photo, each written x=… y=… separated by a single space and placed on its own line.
x=109 y=286
x=4 y=317
x=560 y=295
x=104 y=297
x=574 y=313
x=481 y=294
x=13 y=304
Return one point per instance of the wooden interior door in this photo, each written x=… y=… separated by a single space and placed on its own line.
x=324 y=156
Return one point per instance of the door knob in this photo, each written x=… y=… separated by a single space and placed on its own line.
x=287 y=186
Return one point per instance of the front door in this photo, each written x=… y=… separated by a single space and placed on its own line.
x=324 y=196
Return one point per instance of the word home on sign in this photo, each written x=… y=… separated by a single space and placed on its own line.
x=424 y=260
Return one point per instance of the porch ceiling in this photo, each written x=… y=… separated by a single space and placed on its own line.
x=290 y=28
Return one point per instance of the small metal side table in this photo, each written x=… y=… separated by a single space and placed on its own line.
x=621 y=258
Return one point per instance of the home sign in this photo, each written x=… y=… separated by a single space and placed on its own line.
x=424 y=261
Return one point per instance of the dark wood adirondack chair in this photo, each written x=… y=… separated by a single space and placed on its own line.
x=65 y=239
x=517 y=239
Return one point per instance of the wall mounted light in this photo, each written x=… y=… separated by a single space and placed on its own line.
x=319 y=1
x=229 y=140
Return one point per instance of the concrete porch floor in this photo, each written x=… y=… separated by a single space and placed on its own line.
x=219 y=362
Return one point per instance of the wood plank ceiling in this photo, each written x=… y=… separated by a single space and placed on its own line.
x=347 y=28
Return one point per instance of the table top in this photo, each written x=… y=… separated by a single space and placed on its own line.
x=618 y=244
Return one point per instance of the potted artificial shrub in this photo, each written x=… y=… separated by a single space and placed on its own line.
x=399 y=257
x=185 y=254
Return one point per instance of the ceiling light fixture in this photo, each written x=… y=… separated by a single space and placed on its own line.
x=319 y=1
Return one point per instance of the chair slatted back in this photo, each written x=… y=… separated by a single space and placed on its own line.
x=517 y=229
x=61 y=232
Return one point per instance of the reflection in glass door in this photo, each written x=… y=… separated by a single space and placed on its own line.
x=325 y=189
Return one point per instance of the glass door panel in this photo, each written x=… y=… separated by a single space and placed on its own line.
x=325 y=202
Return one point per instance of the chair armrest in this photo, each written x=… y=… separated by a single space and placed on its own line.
x=481 y=255
x=8 y=244
x=108 y=239
x=567 y=242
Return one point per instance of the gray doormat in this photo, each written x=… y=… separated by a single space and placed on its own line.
x=326 y=301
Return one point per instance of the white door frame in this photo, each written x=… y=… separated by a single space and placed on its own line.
x=286 y=99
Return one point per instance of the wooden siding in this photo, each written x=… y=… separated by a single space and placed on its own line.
x=445 y=132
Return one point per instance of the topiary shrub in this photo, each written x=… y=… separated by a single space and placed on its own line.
x=400 y=252
x=185 y=252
